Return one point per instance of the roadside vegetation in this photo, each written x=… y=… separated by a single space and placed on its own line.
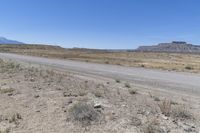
x=165 y=61
x=34 y=98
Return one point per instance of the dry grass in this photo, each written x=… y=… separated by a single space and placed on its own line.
x=165 y=107
x=90 y=104
x=181 y=112
x=14 y=118
x=154 y=126
x=127 y=85
x=132 y=91
x=166 y=61
x=83 y=113
x=10 y=67
x=7 y=90
x=7 y=130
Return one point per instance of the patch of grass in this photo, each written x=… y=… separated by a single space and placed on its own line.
x=161 y=60
x=156 y=98
x=174 y=103
x=154 y=126
x=165 y=107
x=7 y=90
x=8 y=66
x=7 y=130
x=188 y=67
x=117 y=81
x=127 y=85
x=181 y=112
x=83 y=113
x=132 y=91
x=98 y=93
x=15 y=117
x=107 y=62
x=82 y=93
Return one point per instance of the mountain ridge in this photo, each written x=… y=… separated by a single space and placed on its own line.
x=4 y=40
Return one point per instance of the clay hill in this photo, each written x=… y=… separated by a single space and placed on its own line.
x=175 y=46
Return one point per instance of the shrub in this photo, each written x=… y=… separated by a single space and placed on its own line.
x=142 y=65
x=14 y=118
x=7 y=130
x=127 y=85
x=7 y=90
x=154 y=126
x=165 y=107
x=181 y=112
x=117 y=81
x=98 y=93
x=83 y=113
x=188 y=68
x=132 y=91
x=156 y=98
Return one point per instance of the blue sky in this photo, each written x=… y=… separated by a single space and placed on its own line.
x=100 y=23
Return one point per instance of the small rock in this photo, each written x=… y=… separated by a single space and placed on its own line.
x=32 y=80
x=164 y=117
x=97 y=105
x=123 y=105
x=58 y=89
x=10 y=94
x=36 y=96
x=70 y=101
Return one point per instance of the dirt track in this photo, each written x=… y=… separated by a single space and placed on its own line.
x=185 y=83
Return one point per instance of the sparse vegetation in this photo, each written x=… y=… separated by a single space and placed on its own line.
x=82 y=93
x=98 y=93
x=165 y=107
x=166 y=61
x=8 y=66
x=154 y=126
x=84 y=104
x=132 y=91
x=181 y=112
x=188 y=68
x=142 y=65
x=84 y=113
x=14 y=118
x=127 y=85
x=6 y=90
x=7 y=130
x=156 y=99
x=117 y=81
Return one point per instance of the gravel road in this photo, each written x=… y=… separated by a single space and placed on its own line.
x=186 y=83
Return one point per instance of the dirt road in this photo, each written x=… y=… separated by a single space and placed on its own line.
x=185 y=83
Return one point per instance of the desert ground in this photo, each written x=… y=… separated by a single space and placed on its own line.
x=164 y=61
x=39 y=98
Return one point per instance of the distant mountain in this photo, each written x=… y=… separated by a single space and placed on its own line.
x=175 y=46
x=7 y=41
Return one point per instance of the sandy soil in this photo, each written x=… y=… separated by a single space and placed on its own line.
x=38 y=99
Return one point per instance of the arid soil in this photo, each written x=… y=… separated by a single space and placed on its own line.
x=165 y=61
x=40 y=99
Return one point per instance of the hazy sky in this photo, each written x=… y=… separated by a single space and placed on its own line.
x=100 y=23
